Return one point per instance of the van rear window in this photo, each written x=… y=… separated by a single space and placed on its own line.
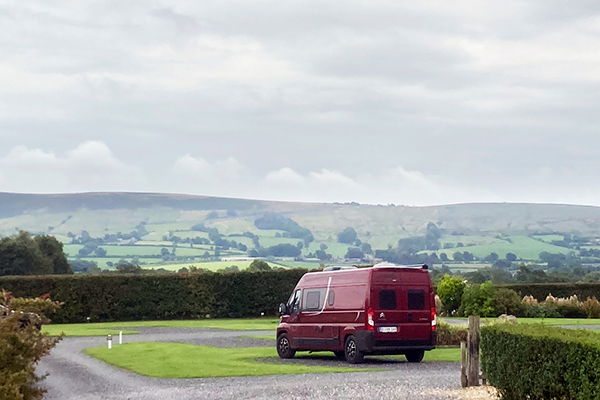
x=416 y=299
x=387 y=299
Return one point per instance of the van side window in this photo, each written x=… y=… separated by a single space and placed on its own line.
x=387 y=299
x=313 y=299
x=416 y=299
x=331 y=298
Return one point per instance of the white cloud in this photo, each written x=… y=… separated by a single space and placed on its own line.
x=91 y=166
x=284 y=176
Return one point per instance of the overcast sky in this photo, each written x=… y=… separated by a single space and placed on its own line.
x=405 y=102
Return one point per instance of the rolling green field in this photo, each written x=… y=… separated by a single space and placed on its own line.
x=524 y=247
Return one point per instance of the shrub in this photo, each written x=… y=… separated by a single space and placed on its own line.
x=537 y=362
x=541 y=290
x=448 y=335
x=591 y=308
x=22 y=345
x=507 y=301
x=450 y=290
x=478 y=300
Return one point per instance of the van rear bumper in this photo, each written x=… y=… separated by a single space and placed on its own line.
x=366 y=342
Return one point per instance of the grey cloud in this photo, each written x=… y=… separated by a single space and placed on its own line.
x=483 y=95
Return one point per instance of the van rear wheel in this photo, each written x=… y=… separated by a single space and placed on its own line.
x=353 y=355
x=284 y=348
x=415 y=356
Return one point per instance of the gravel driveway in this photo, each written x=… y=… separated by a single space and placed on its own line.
x=74 y=375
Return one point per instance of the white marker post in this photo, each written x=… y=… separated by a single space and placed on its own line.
x=109 y=341
x=120 y=337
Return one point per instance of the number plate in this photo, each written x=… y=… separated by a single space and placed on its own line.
x=388 y=329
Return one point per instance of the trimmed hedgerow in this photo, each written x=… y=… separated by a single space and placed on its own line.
x=538 y=362
x=169 y=296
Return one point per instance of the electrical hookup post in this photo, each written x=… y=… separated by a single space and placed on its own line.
x=469 y=355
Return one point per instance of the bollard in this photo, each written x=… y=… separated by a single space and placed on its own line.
x=120 y=337
x=109 y=341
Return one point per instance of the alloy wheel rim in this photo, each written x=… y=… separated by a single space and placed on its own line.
x=351 y=348
x=284 y=345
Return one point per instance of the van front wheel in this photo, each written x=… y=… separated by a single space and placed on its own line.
x=353 y=355
x=415 y=356
x=284 y=348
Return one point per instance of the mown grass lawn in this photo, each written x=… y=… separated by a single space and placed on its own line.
x=105 y=328
x=179 y=360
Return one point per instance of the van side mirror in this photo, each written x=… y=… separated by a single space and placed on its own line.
x=283 y=309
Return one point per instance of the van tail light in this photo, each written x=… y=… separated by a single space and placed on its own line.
x=433 y=313
x=370 y=319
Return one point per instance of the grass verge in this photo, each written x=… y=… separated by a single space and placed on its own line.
x=546 y=321
x=105 y=328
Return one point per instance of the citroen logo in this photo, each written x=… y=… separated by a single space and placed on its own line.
x=381 y=315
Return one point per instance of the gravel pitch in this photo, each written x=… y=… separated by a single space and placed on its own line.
x=74 y=375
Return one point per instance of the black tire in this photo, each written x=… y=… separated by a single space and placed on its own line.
x=340 y=355
x=284 y=348
x=353 y=355
x=415 y=356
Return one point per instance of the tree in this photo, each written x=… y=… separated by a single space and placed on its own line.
x=450 y=290
x=100 y=252
x=366 y=248
x=230 y=269
x=443 y=257
x=468 y=256
x=354 y=252
x=323 y=255
x=21 y=255
x=458 y=256
x=348 y=236
x=478 y=300
x=129 y=268
x=259 y=265
x=492 y=258
x=511 y=257
x=52 y=249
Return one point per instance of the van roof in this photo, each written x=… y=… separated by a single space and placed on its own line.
x=382 y=265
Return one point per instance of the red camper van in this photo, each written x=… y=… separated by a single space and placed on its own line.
x=384 y=309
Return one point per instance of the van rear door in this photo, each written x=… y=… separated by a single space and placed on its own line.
x=400 y=303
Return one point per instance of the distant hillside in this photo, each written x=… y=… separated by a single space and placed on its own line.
x=167 y=220
x=17 y=210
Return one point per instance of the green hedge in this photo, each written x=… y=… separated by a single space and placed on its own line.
x=149 y=297
x=538 y=362
x=541 y=290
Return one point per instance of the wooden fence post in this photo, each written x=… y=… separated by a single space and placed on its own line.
x=473 y=351
x=463 y=364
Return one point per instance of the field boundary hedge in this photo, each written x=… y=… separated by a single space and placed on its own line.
x=538 y=362
x=158 y=296
x=541 y=290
